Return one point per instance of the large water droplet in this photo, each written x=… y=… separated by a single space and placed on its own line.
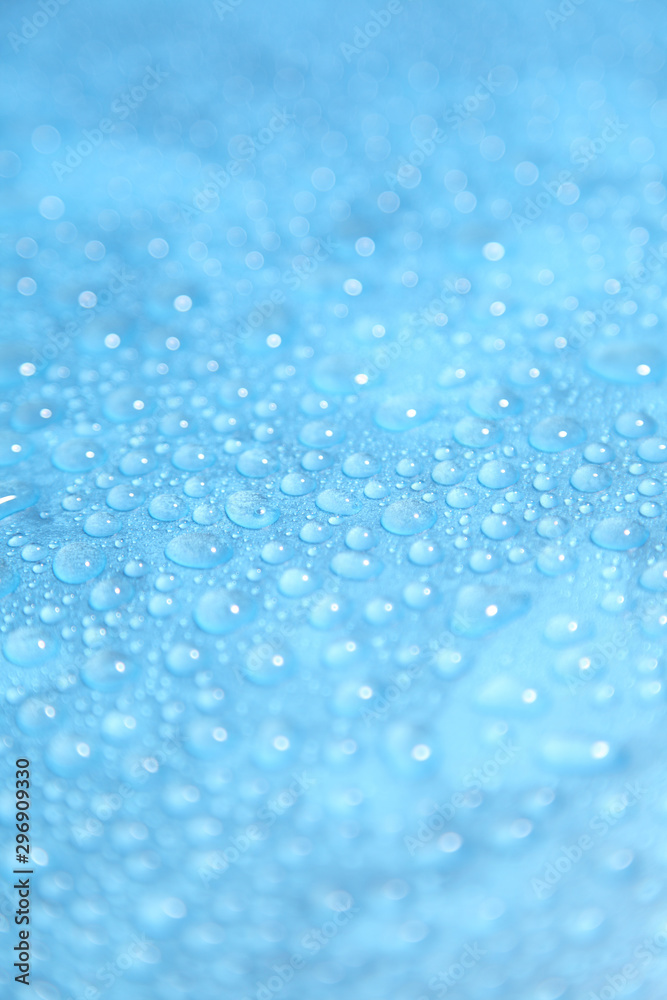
x=101 y=525
x=619 y=534
x=16 y=496
x=554 y=434
x=654 y=449
x=197 y=550
x=321 y=434
x=494 y=402
x=192 y=458
x=30 y=647
x=479 y=610
x=78 y=455
x=14 y=448
x=473 y=432
x=107 y=670
x=497 y=475
x=356 y=566
x=655 y=577
x=408 y=517
x=634 y=425
x=296 y=485
x=221 y=611
x=447 y=474
x=337 y=502
x=167 y=507
x=499 y=527
x=632 y=364
x=124 y=498
x=461 y=498
x=361 y=465
x=251 y=510
x=297 y=582
x=402 y=413
x=111 y=593
x=257 y=463
x=589 y=479
x=574 y=754
x=78 y=562
x=127 y=404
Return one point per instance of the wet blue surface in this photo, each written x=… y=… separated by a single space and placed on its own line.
x=332 y=451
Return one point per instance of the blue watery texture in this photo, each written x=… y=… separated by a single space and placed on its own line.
x=333 y=439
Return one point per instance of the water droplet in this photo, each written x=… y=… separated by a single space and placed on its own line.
x=589 y=479
x=447 y=474
x=316 y=461
x=632 y=364
x=497 y=475
x=380 y=611
x=360 y=539
x=265 y=665
x=574 y=754
x=423 y=553
x=195 y=487
x=275 y=553
x=313 y=533
x=552 y=527
x=14 y=448
x=124 y=498
x=167 y=507
x=127 y=404
x=619 y=534
x=461 y=498
x=554 y=561
x=634 y=425
x=337 y=502
x=107 y=670
x=30 y=647
x=598 y=453
x=329 y=612
x=408 y=517
x=221 y=611
x=408 y=467
x=499 y=527
x=137 y=463
x=402 y=413
x=473 y=432
x=78 y=562
x=15 y=497
x=479 y=610
x=251 y=510
x=421 y=596
x=356 y=566
x=78 y=455
x=206 y=514
x=554 y=434
x=111 y=593
x=297 y=582
x=184 y=659
x=655 y=577
x=321 y=434
x=361 y=465
x=495 y=402
x=257 y=463
x=451 y=663
x=654 y=449
x=296 y=485
x=197 y=550
x=192 y=458
x=101 y=525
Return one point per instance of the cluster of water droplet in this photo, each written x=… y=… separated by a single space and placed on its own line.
x=349 y=484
